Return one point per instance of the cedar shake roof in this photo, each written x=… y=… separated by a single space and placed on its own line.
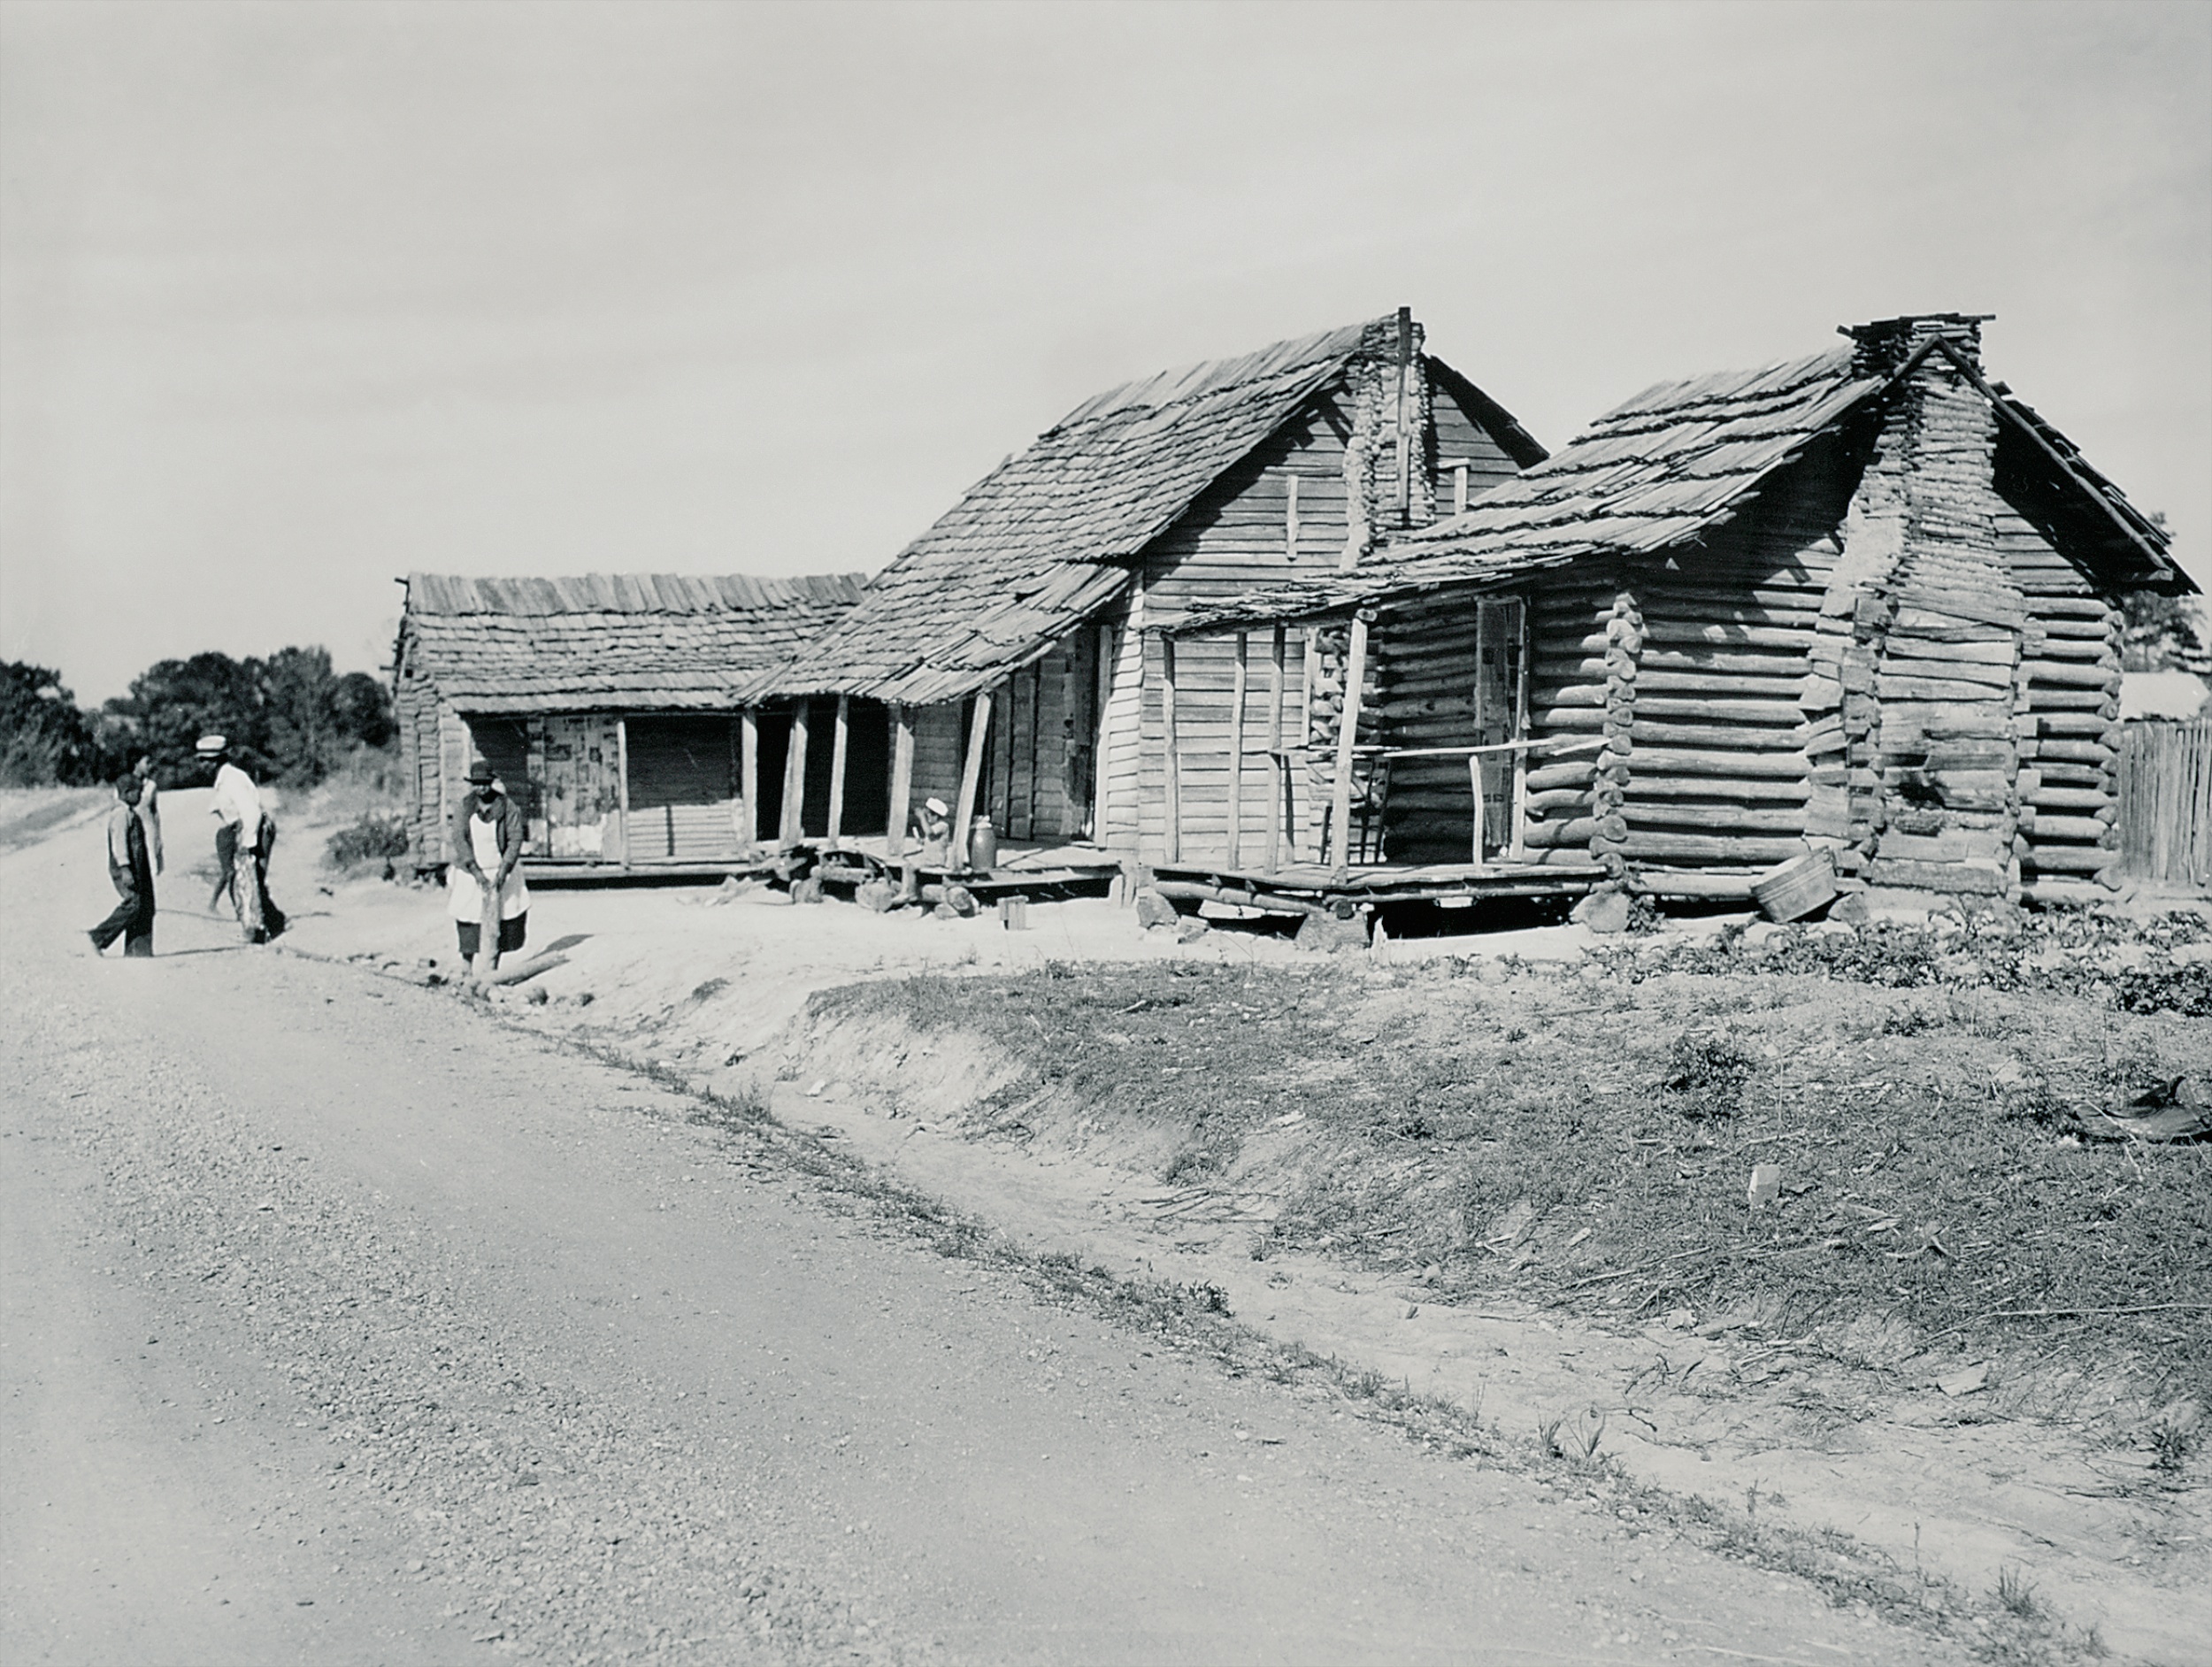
x=1042 y=542
x=612 y=642
x=1674 y=463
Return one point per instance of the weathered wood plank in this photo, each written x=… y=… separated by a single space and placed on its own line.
x=793 y=829
x=901 y=811
x=840 y=756
x=1729 y=819
x=1347 y=736
x=970 y=776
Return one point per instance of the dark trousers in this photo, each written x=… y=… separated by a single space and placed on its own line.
x=472 y=935
x=133 y=920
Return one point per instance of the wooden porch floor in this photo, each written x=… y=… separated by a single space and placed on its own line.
x=1308 y=887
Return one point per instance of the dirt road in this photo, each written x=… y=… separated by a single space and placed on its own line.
x=343 y=1324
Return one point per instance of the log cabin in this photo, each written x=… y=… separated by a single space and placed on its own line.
x=1012 y=650
x=615 y=707
x=1865 y=603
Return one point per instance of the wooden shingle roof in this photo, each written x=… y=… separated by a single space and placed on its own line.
x=612 y=642
x=1668 y=465
x=1042 y=542
x=1675 y=462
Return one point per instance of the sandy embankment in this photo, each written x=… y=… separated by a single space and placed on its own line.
x=717 y=991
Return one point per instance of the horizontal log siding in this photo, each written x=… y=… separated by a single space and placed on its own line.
x=421 y=717
x=1424 y=680
x=2071 y=812
x=1569 y=616
x=1719 y=778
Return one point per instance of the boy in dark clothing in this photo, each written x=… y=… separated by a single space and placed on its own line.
x=130 y=865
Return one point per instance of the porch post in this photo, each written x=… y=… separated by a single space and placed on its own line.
x=1171 y=818
x=749 y=776
x=1516 y=832
x=971 y=776
x=837 y=774
x=1474 y=770
x=1278 y=764
x=1236 y=758
x=622 y=784
x=902 y=781
x=794 y=822
x=1347 y=737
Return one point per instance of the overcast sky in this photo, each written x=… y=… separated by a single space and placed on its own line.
x=296 y=298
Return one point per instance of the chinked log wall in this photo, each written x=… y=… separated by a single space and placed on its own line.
x=1693 y=682
x=2068 y=738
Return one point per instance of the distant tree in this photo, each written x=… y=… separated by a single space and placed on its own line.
x=361 y=707
x=295 y=686
x=291 y=717
x=45 y=739
x=2163 y=633
x=171 y=703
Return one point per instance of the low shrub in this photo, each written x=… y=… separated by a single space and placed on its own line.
x=371 y=839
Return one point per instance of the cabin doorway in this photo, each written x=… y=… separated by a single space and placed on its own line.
x=1500 y=717
x=683 y=790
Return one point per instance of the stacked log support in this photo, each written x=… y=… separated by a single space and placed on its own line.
x=1608 y=795
x=1328 y=652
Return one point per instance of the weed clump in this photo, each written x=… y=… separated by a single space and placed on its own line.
x=1706 y=1071
x=374 y=838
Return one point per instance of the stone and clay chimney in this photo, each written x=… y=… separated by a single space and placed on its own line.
x=1916 y=690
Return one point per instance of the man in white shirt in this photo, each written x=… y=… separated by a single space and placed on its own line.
x=244 y=841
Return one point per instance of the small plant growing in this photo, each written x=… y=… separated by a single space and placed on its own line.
x=1706 y=1074
x=1207 y=1298
x=1578 y=1443
x=2172 y=1442
x=2016 y=1593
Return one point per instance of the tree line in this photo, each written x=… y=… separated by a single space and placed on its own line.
x=293 y=718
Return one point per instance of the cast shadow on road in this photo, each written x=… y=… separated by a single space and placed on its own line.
x=569 y=943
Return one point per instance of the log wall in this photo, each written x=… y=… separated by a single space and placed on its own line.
x=2069 y=736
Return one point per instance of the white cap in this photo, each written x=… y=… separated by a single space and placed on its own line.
x=938 y=805
x=208 y=744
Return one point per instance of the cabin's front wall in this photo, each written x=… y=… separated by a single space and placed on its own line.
x=422 y=719
x=575 y=766
x=1884 y=657
x=1311 y=503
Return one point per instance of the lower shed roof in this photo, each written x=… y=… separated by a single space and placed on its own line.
x=612 y=642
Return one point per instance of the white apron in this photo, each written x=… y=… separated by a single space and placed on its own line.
x=464 y=898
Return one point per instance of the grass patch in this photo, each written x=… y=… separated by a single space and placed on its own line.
x=1588 y=1140
x=29 y=814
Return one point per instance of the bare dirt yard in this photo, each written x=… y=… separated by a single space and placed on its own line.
x=715 y=1287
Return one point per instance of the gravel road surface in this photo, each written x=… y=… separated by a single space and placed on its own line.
x=343 y=1324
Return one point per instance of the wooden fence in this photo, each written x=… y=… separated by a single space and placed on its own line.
x=2166 y=801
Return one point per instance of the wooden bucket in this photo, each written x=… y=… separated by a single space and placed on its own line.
x=1797 y=887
